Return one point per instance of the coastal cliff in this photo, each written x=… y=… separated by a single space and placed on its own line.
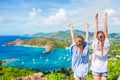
x=48 y=43
x=16 y=42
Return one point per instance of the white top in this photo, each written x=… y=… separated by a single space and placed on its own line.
x=99 y=61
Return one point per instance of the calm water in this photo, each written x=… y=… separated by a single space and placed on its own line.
x=33 y=57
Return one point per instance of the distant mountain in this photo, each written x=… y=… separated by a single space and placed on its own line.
x=114 y=36
x=64 y=35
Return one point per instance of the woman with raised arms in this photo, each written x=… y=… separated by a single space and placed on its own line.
x=80 y=54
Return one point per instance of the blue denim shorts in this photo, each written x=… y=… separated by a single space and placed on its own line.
x=100 y=73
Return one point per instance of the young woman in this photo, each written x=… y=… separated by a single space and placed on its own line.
x=80 y=54
x=100 y=47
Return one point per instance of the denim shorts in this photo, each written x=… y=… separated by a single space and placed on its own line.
x=100 y=73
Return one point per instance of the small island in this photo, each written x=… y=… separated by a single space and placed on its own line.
x=49 y=43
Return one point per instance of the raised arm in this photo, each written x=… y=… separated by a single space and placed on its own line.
x=87 y=34
x=71 y=31
x=105 y=18
x=96 y=26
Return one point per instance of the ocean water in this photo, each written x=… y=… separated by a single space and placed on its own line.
x=33 y=57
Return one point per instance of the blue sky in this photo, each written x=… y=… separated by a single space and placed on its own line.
x=19 y=17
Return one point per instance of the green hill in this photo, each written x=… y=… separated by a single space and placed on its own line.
x=48 y=43
x=64 y=35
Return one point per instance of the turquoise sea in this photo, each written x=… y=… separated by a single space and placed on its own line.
x=33 y=57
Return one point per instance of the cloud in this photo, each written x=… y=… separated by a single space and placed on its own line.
x=6 y=19
x=109 y=11
x=58 y=18
x=116 y=21
x=12 y=20
x=57 y=15
x=114 y=18
x=34 y=13
x=1 y=18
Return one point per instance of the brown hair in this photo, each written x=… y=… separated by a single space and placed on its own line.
x=82 y=43
x=100 y=32
x=100 y=39
x=80 y=37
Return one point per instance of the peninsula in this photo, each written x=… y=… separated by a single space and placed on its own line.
x=48 y=43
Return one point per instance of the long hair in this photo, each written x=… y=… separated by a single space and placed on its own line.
x=81 y=43
x=100 y=36
x=80 y=37
x=101 y=39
